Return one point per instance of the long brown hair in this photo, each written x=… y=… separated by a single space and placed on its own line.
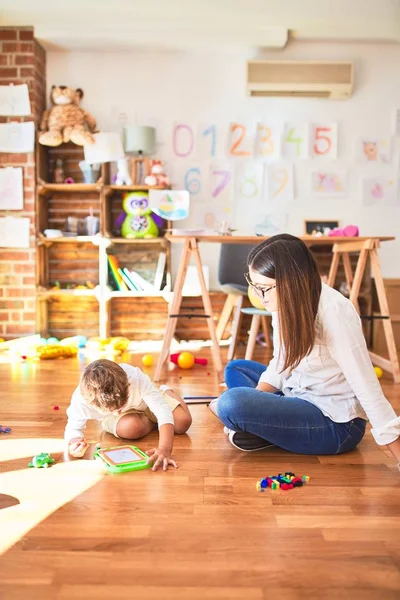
x=287 y=259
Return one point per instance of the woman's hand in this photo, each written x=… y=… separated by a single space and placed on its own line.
x=77 y=447
x=161 y=457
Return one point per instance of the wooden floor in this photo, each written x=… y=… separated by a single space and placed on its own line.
x=201 y=532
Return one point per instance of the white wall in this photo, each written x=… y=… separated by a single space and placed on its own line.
x=159 y=88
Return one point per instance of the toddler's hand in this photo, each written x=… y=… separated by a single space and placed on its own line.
x=161 y=457
x=77 y=447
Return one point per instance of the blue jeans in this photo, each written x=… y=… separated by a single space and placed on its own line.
x=290 y=423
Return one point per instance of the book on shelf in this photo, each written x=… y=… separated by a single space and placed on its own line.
x=158 y=278
x=123 y=279
x=113 y=267
x=131 y=286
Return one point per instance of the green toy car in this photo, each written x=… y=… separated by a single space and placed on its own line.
x=41 y=461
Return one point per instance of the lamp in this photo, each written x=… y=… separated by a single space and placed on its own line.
x=139 y=140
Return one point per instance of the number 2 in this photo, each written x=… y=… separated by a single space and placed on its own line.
x=234 y=150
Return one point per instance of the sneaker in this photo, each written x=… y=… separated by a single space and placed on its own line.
x=213 y=406
x=247 y=442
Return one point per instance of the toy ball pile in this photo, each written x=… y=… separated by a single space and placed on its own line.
x=287 y=481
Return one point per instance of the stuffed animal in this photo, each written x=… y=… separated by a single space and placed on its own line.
x=123 y=176
x=66 y=121
x=138 y=222
x=158 y=178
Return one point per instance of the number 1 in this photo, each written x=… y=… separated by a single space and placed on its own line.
x=212 y=130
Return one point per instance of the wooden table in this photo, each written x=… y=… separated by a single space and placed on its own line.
x=366 y=247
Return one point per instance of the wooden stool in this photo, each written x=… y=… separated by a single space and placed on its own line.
x=260 y=318
x=233 y=304
x=368 y=249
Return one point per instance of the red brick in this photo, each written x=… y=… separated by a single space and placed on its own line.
x=24 y=268
x=17 y=47
x=15 y=255
x=1 y=292
x=9 y=72
x=5 y=267
x=13 y=328
x=29 y=316
x=4 y=316
x=30 y=304
x=28 y=280
x=8 y=34
x=24 y=72
x=3 y=59
x=20 y=292
x=15 y=316
x=27 y=59
x=13 y=304
x=26 y=34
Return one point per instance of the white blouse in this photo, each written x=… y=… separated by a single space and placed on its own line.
x=337 y=376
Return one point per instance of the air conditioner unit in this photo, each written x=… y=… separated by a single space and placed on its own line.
x=313 y=79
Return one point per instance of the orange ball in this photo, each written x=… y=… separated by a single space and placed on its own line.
x=186 y=360
x=254 y=299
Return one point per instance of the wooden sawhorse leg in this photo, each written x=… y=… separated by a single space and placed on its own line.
x=190 y=247
x=368 y=249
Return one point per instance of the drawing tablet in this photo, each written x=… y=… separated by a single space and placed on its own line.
x=120 y=459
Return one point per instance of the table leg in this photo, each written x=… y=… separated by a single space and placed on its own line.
x=174 y=309
x=208 y=308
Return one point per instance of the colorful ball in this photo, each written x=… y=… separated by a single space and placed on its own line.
x=186 y=360
x=254 y=299
x=53 y=340
x=379 y=372
x=147 y=360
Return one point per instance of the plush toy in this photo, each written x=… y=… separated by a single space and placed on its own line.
x=66 y=121
x=138 y=222
x=123 y=176
x=158 y=178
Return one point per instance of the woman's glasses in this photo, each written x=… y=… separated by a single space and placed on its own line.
x=261 y=290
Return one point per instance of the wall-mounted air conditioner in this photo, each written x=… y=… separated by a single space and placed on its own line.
x=316 y=79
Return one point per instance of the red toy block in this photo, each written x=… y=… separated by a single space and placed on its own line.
x=287 y=486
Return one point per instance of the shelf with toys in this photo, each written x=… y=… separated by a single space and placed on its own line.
x=78 y=226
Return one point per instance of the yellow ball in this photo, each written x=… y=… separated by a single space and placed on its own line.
x=186 y=360
x=379 y=372
x=254 y=299
x=147 y=360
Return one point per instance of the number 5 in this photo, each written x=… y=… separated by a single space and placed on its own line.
x=323 y=135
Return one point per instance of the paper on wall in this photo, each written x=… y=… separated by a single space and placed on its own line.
x=11 y=189
x=14 y=101
x=379 y=191
x=17 y=137
x=14 y=232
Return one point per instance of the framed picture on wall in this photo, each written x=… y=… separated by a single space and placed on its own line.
x=319 y=228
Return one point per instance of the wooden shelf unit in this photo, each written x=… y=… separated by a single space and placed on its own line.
x=75 y=260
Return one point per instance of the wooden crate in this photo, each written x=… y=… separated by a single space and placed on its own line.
x=392 y=287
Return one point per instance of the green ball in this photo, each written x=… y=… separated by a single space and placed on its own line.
x=53 y=340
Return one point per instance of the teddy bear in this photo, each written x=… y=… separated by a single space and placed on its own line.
x=66 y=121
x=157 y=178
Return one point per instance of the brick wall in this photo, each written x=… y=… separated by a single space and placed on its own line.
x=22 y=60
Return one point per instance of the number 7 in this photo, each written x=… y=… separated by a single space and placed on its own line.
x=226 y=178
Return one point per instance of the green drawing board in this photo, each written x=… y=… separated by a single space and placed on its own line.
x=121 y=459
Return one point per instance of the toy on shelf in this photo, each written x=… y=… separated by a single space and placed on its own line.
x=147 y=360
x=41 y=461
x=123 y=175
x=378 y=372
x=4 y=429
x=287 y=481
x=66 y=121
x=138 y=223
x=157 y=177
x=186 y=360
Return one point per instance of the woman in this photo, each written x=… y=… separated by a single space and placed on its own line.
x=320 y=387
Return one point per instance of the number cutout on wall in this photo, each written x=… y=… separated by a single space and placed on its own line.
x=240 y=141
x=295 y=141
x=183 y=140
x=280 y=182
x=267 y=144
x=324 y=141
